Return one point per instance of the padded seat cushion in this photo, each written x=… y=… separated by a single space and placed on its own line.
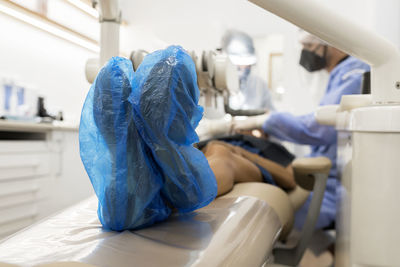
x=283 y=203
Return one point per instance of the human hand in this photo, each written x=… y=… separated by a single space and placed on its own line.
x=249 y=123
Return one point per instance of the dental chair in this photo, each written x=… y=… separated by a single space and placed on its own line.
x=311 y=175
x=240 y=228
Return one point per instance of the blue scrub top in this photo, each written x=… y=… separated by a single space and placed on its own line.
x=345 y=79
x=256 y=92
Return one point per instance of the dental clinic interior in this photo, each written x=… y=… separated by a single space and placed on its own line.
x=178 y=133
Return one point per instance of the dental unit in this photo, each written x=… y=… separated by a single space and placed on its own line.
x=369 y=135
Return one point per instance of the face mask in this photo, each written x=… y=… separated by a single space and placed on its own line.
x=311 y=61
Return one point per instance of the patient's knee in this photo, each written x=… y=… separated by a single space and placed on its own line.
x=216 y=148
x=223 y=171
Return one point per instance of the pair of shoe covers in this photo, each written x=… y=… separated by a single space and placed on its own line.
x=136 y=140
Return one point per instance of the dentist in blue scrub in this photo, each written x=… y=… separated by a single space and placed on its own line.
x=345 y=77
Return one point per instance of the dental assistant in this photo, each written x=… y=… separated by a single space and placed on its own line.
x=239 y=47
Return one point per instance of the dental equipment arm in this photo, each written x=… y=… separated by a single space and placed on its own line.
x=110 y=20
x=251 y=123
x=218 y=77
x=349 y=37
x=222 y=74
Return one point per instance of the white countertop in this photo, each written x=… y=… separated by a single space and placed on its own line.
x=21 y=126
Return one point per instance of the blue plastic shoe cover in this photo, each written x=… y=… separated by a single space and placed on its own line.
x=136 y=140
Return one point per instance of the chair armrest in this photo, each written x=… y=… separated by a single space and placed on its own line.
x=305 y=169
x=311 y=174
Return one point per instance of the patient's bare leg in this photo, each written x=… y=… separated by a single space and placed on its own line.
x=230 y=168
x=282 y=176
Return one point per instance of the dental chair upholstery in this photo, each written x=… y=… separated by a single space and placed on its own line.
x=284 y=203
x=311 y=175
x=237 y=229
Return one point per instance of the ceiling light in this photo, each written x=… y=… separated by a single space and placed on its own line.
x=50 y=28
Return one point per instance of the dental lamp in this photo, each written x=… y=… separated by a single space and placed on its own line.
x=137 y=57
x=217 y=77
x=371 y=124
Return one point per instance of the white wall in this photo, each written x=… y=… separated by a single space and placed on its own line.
x=199 y=25
x=56 y=66
x=195 y=24
x=52 y=65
